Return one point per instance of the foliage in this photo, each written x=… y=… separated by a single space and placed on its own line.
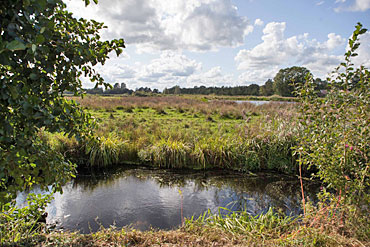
x=175 y=132
x=252 y=89
x=285 y=79
x=332 y=215
x=43 y=52
x=268 y=88
x=17 y=223
x=104 y=151
x=336 y=139
x=264 y=225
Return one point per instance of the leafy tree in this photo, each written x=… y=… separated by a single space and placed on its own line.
x=177 y=90
x=286 y=78
x=253 y=89
x=268 y=88
x=43 y=52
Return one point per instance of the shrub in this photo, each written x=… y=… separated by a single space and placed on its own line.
x=336 y=139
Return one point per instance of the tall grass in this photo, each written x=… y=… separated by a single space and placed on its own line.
x=180 y=132
x=105 y=151
x=167 y=154
x=268 y=225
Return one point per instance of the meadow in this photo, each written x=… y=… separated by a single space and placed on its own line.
x=185 y=132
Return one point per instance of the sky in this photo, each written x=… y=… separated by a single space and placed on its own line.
x=224 y=42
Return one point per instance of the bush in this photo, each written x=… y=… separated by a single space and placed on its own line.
x=336 y=139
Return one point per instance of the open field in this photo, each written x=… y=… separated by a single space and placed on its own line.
x=187 y=132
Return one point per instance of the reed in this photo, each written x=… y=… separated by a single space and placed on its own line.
x=187 y=132
x=167 y=154
x=111 y=150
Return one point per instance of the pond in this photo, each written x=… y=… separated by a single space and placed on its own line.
x=262 y=102
x=145 y=198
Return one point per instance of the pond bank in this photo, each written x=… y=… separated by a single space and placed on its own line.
x=271 y=230
x=163 y=198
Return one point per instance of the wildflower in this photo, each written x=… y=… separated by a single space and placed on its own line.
x=350 y=147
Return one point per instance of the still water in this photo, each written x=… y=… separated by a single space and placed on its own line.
x=144 y=198
x=262 y=102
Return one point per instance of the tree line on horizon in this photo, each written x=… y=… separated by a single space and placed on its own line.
x=282 y=84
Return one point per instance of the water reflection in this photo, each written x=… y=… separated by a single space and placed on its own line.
x=262 y=102
x=145 y=198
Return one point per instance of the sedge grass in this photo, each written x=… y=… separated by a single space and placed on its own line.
x=187 y=132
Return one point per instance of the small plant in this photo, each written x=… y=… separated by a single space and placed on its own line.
x=19 y=224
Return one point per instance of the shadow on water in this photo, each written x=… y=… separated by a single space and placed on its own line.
x=144 y=197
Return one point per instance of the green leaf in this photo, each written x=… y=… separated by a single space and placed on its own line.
x=33 y=76
x=15 y=45
x=33 y=48
x=40 y=39
x=26 y=3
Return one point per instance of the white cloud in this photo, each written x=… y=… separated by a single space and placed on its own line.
x=276 y=51
x=155 y=25
x=363 y=51
x=169 y=65
x=320 y=3
x=212 y=77
x=358 y=5
x=334 y=41
x=258 y=22
x=167 y=70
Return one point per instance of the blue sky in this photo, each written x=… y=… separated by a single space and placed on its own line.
x=224 y=42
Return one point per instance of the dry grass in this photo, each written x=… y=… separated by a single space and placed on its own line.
x=197 y=235
x=194 y=104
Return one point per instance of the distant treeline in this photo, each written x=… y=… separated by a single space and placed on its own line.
x=252 y=89
x=115 y=90
x=281 y=85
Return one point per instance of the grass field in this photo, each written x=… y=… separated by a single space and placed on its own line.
x=186 y=132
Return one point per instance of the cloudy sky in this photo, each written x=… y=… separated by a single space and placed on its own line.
x=224 y=42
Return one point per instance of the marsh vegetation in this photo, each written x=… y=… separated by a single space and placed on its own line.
x=186 y=132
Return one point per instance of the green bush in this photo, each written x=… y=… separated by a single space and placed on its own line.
x=336 y=139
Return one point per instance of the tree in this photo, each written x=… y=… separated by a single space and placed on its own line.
x=286 y=78
x=177 y=90
x=268 y=88
x=253 y=89
x=43 y=52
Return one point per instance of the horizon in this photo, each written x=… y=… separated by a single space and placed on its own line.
x=215 y=43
